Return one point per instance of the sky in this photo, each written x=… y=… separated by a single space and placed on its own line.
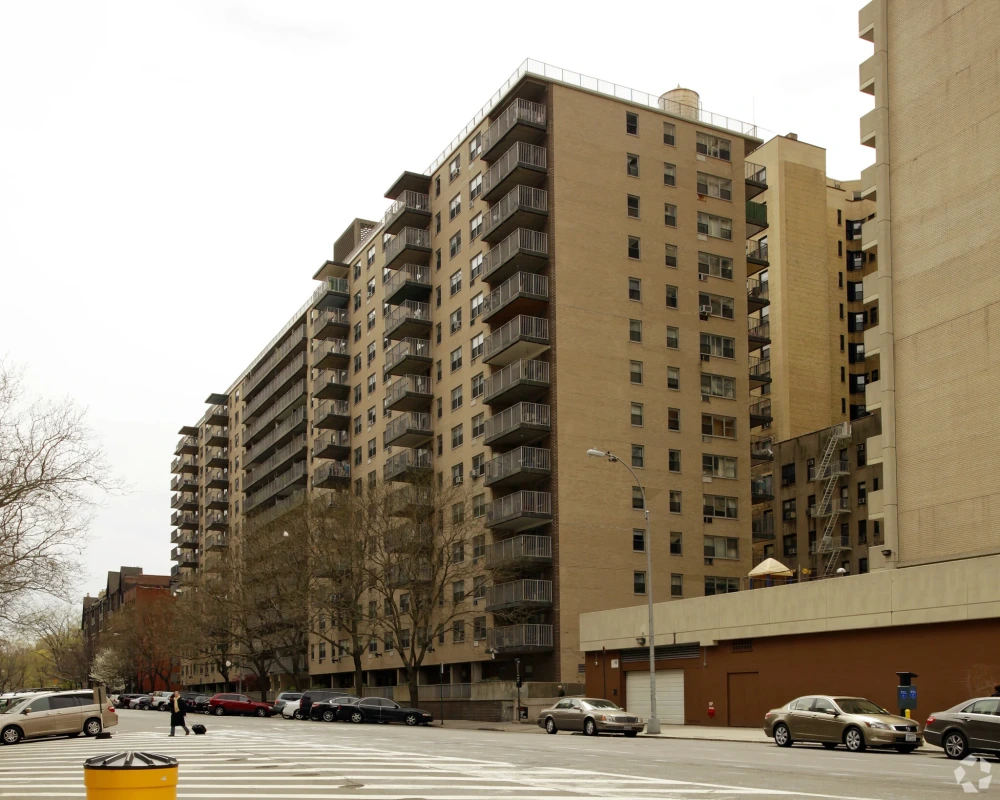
x=173 y=173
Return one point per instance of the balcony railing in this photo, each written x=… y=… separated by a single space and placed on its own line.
x=757 y=251
x=521 y=154
x=761 y=447
x=280 y=483
x=526 y=284
x=217 y=541
x=522 y=503
x=408 y=384
x=761 y=408
x=756 y=217
x=528 y=636
x=757 y=290
x=266 y=395
x=189 y=464
x=520 y=111
x=334 y=440
x=754 y=173
x=331 y=316
x=331 y=472
x=762 y=487
x=278 y=509
x=520 y=198
x=337 y=408
x=400 y=463
x=533 y=329
x=188 y=445
x=406 y=348
x=839 y=505
x=218 y=415
x=184 y=519
x=756 y=329
x=415 y=422
x=217 y=478
x=290 y=450
x=521 y=241
x=833 y=469
x=519 y=549
x=217 y=521
x=183 y=483
x=407 y=201
x=760 y=368
x=329 y=348
x=331 y=382
x=536 y=459
x=408 y=273
x=520 y=414
x=762 y=529
x=281 y=405
x=408 y=311
x=407 y=238
x=255 y=451
x=515 y=372
x=259 y=373
x=519 y=593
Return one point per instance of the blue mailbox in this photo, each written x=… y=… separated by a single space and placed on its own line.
x=906 y=692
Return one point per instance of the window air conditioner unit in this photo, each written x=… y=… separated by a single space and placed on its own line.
x=706 y=398
x=458 y=481
x=708 y=519
x=702 y=276
x=706 y=357
x=474 y=473
x=704 y=311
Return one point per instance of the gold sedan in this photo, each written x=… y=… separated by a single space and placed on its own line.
x=852 y=721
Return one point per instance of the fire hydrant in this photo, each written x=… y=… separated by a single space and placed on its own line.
x=711 y=710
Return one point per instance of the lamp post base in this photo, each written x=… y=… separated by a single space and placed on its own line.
x=652 y=725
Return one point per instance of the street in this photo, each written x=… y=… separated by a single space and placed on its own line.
x=276 y=758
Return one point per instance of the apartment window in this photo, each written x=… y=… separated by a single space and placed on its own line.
x=674 y=460
x=861 y=455
x=357 y=363
x=810 y=470
x=718 y=466
x=357 y=394
x=440 y=438
x=862 y=531
x=477 y=346
x=455 y=244
x=475 y=147
x=843 y=405
x=676 y=585
x=478 y=381
x=357 y=270
x=840 y=280
x=635 y=330
x=673 y=419
x=479 y=459
x=357 y=300
x=456 y=359
x=711 y=225
x=631 y=123
x=371 y=417
x=371 y=352
x=475 y=188
x=714 y=146
x=788 y=510
x=437 y=186
x=719 y=427
x=357 y=487
x=718 y=386
x=714 y=585
x=669 y=174
x=634 y=247
x=714 y=505
x=455 y=167
x=788 y=474
x=371 y=255
x=632 y=165
x=437 y=297
x=714 y=186
x=357 y=331
x=673 y=378
x=639 y=582
x=669 y=133
x=843 y=374
x=437 y=333
x=637 y=501
x=634 y=289
x=716 y=266
x=457 y=474
x=455 y=282
x=456 y=398
x=671 y=255
x=438 y=366
x=371 y=288
x=372 y=448
x=479 y=510
x=670 y=215
x=475 y=267
x=716 y=305
x=437 y=223
x=638 y=455
x=637 y=414
x=475 y=227
x=841 y=310
x=671 y=297
x=632 y=206
x=457 y=437
x=635 y=371
x=841 y=343
x=673 y=337
x=638 y=540
x=478 y=425
x=371 y=320
x=718 y=346
x=455 y=320
x=722 y=547
x=437 y=253
x=476 y=306
x=357 y=425
x=675 y=502
x=862 y=493
x=358 y=456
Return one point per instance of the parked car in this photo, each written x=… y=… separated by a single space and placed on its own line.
x=201 y=704
x=326 y=710
x=123 y=700
x=315 y=696
x=831 y=721
x=160 y=701
x=57 y=713
x=283 y=698
x=380 y=709
x=221 y=704
x=291 y=710
x=590 y=715
x=140 y=701
x=973 y=726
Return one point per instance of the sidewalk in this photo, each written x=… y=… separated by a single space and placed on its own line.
x=706 y=733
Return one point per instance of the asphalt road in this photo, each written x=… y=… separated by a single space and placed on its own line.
x=275 y=758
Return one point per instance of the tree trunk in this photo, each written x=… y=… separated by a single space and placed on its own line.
x=358 y=672
x=411 y=682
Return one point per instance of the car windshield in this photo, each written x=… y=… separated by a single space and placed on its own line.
x=858 y=705
x=601 y=704
x=16 y=705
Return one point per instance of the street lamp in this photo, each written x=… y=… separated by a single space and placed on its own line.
x=653 y=724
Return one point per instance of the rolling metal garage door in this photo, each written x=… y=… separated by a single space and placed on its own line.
x=669 y=695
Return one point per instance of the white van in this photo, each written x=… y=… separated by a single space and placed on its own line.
x=57 y=713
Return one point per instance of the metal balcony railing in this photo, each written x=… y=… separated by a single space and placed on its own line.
x=520 y=110
x=520 y=198
x=522 y=413
x=218 y=412
x=407 y=201
x=518 y=503
x=334 y=469
x=408 y=237
x=515 y=593
x=280 y=405
x=757 y=289
x=340 y=408
x=266 y=395
x=840 y=505
x=407 y=459
x=293 y=448
x=760 y=408
x=331 y=377
x=283 y=481
x=254 y=451
x=762 y=486
x=762 y=529
x=520 y=370
x=183 y=518
x=833 y=469
x=521 y=327
x=262 y=370
x=519 y=637
x=408 y=384
x=760 y=368
x=527 y=458
x=186 y=443
x=522 y=283
x=521 y=240
x=324 y=347
x=281 y=507
x=411 y=420
x=414 y=273
x=758 y=329
x=406 y=348
x=761 y=446
x=331 y=439
x=183 y=483
x=757 y=250
x=520 y=154
x=756 y=214
x=754 y=172
x=409 y=310
x=525 y=547
x=329 y=316
x=178 y=464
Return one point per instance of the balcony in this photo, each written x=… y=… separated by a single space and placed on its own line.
x=833 y=544
x=876 y=504
x=279 y=435
x=409 y=245
x=335 y=445
x=523 y=551
x=756 y=218
x=187 y=446
x=757 y=294
x=874 y=447
x=873 y=341
x=186 y=465
x=523 y=164
x=524 y=423
x=185 y=540
x=409 y=282
x=411 y=501
x=516 y=639
x=835 y=469
x=184 y=520
x=184 y=502
x=762 y=489
x=411 y=429
x=175 y=574
x=409 y=320
x=760 y=371
x=762 y=529
x=217 y=501
x=757 y=256
x=761 y=448
x=334 y=323
x=869 y=235
x=268 y=469
x=333 y=415
x=520 y=467
x=758 y=333
x=524 y=594
x=416 y=541
x=522 y=338
x=411 y=466
x=760 y=413
x=410 y=210
x=280 y=487
x=755 y=178
x=218 y=414
x=522 y=206
x=217 y=458
x=282 y=507
x=521 y=121
x=410 y=393
x=218 y=522
x=216 y=436
x=270 y=394
x=331 y=293
x=184 y=558
x=523 y=251
x=408 y=357
x=217 y=541
x=521 y=293
x=293 y=344
x=869 y=288
x=330 y=354
x=873 y=396
x=839 y=505
x=519 y=511
x=520 y=380
x=184 y=483
x=217 y=479
x=332 y=475
x=332 y=384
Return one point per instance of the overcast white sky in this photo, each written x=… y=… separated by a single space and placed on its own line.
x=172 y=173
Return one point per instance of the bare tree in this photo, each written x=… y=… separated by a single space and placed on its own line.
x=59 y=643
x=147 y=640
x=206 y=631
x=15 y=660
x=51 y=475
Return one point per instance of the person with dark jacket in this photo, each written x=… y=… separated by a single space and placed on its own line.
x=996 y=691
x=178 y=710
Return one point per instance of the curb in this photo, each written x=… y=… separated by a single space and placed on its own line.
x=703 y=739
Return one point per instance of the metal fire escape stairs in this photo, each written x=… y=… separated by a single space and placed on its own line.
x=829 y=547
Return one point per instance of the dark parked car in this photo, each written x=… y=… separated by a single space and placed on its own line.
x=315 y=696
x=122 y=700
x=283 y=699
x=972 y=726
x=239 y=704
x=201 y=704
x=378 y=709
x=326 y=710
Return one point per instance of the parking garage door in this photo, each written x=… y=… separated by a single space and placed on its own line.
x=669 y=695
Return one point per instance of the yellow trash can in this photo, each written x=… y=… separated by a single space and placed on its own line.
x=130 y=776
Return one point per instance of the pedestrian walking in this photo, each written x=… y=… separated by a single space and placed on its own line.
x=562 y=692
x=996 y=691
x=178 y=710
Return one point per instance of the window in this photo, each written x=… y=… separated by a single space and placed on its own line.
x=637 y=414
x=632 y=165
x=371 y=255
x=475 y=147
x=673 y=419
x=634 y=247
x=357 y=394
x=862 y=531
x=371 y=319
x=371 y=352
x=475 y=267
x=637 y=500
x=673 y=337
x=635 y=371
x=675 y=502
x=635 y=330
x=718 y=346
x=357 y=270
x=790 y=544
x=477 y=346
x=475 y=306
x=862 y=494
x=671 y=296
x=478 y=425
x=671 y=255
x=479 y=510
x=357 y=363
x=478 y=541
x=669 y=174
x=788 y=474
x=674 y=460
x=455 y=244
x=810 y=470
x=357 y=300
x=713 y=146
x=714 y=186
x=676 y=585
x=457 y=436
x=371 y=288
x=719 y=427
x=711 y=225
x=456 y=359
x=475 y=188
x=357 y=331
x=478 y=381
x=437 y=222
x=371 y=383
x=455 y=167
x=632 y=206
x=861 y=454
x=670 y=215
x=639 y=582
x=438 y=365
x=840 y=217
x=715 y=586
x=437 y=253
x=437 y=297
x=638 y=540
x=788 y=510
x=631 y=123
x=358 y=456
x=718 y=466
x=676 y=543
x=716 y=266
x=458 y=548
x=669 y=133
x=455 y=282
x=437 y=333
x=718 y=386
x=717 y=305
x=372 y=448
x=479 y=459
x=673 y=378
x=458 y=631
x=440 y=437
x=437 y=186
x=475 y=227
x=718 y=506
x=457 y=474
x=722 y=547
x=357 y=425
x=456 y=398
x=634 y=289
x=455 y=320
x=479 y=625
x=638 y=455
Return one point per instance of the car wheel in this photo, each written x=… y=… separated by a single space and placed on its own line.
x=830 y=745
x=261 y=712
x=631 y=734
x=782 y=736
x=297 y=714
x=855 y=740
x=162 y=707
x=589 y=727
x=550 y=726
x=955 y=744
x=92 y=727
x=357 y=716
x=411 y=719
x=329 y=716
x=11 y=735
x=219 y=711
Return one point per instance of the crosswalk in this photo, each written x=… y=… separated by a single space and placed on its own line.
x=278 y=765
